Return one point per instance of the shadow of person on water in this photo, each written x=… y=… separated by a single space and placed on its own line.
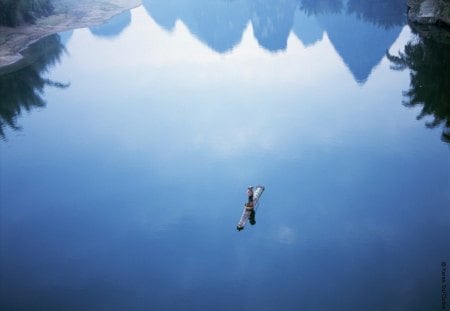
x=251 y=218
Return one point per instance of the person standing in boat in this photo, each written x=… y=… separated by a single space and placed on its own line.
x=250 y=196
x=250 y=206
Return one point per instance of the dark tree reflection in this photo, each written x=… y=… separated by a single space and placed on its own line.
x=428 y=59
x=23 y=89
x=16 y=12
x=272 y=22
x=314 y=7
x=384 y=13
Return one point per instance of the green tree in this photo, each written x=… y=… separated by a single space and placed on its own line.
x=16 y=12
x=428 y=59
x=22 y=89
x=385 y=13
x=314 y=7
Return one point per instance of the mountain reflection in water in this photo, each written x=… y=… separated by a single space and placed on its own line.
x=360 y=31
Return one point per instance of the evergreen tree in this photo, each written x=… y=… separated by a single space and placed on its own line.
x=16 y=12
x=22 y=89
x=428 y=60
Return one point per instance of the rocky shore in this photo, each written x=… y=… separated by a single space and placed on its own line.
x=67 y=15
x=429 y=11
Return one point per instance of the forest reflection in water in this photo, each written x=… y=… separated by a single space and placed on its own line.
x=22 y=89
x=427 y=57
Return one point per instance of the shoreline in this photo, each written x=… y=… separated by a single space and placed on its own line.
x=67 y=16
x=429 y=12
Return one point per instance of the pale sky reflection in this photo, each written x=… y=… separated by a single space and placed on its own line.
x=173 y=84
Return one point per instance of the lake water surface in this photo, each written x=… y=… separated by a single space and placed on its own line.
x=127 y=149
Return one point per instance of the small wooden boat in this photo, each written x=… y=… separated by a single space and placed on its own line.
x=248 y=210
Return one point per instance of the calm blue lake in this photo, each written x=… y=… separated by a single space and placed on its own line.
x=128 y=147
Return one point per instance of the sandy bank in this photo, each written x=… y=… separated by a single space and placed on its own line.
x=68 y=14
